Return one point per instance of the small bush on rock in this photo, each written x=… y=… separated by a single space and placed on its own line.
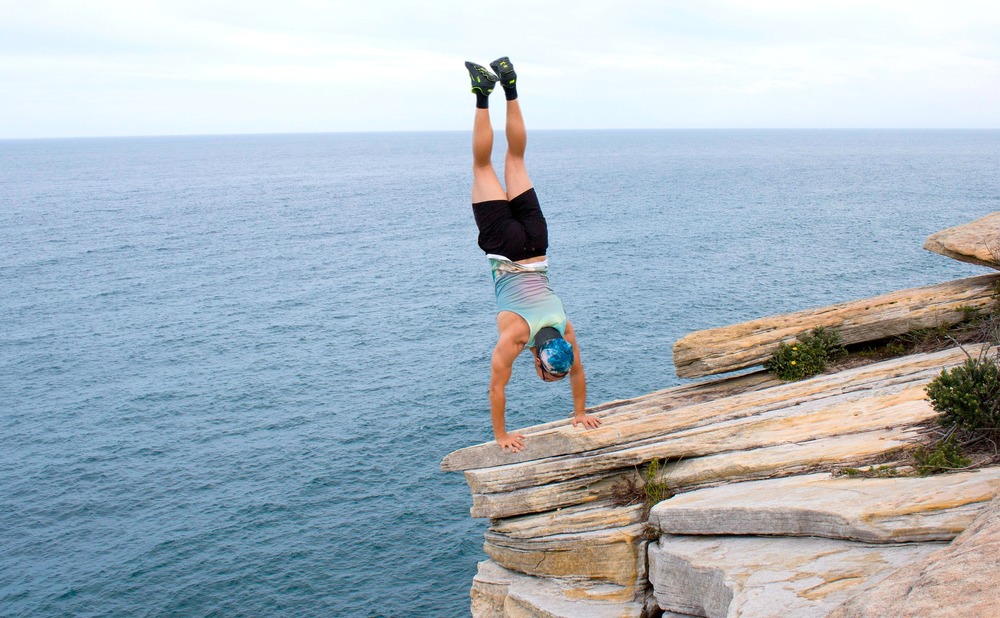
x=944 y=456
x=969 y=395
x=968 y=398
x=646 y=490
x=806 y=356
x=656 y=491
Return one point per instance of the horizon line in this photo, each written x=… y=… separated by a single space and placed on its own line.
x=539 y=130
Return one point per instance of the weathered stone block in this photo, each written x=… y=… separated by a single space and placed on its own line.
x=971 y=242
x=501 y=593
x=763 y=577
x=957 y=581
x=873 y=510
x=729 y=348
x=614 y=556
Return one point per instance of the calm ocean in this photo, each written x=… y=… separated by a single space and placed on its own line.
x=230 y=366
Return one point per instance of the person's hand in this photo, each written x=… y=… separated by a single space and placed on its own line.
x=512 y=441
x=588 y=421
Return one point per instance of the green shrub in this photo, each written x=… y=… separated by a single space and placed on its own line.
x=942 y=457
x=829 y=341
x=806 y=356
x=968 y=395
x=656 y=491
x=646 y=489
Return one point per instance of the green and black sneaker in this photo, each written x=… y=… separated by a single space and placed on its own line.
x=505 y=71
x=482 y=80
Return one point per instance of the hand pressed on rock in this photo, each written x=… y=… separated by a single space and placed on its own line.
x=512 y=441
x=588 y=421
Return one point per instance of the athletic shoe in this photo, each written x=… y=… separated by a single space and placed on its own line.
x=505 y=70
x=482 y=80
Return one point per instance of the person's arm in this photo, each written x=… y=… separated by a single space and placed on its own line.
x=504 y=354
x=578 y=384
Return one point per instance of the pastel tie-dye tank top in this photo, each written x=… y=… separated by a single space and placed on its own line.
x=524 y=289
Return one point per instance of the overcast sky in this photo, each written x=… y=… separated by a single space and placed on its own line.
x=105 y=67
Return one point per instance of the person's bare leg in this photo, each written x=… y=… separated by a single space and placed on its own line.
x=515 y=173
x=485 y=184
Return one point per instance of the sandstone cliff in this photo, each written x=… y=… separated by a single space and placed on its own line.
x=758 y=526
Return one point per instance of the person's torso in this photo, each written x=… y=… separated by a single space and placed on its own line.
x=524 y=289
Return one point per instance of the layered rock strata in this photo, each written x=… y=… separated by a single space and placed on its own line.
x=552 y=517
x=801 y=546
x=502 y=593
x=720 y=350
x=874 y=409
x=872 y=510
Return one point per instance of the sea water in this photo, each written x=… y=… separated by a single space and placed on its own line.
x=230 y=366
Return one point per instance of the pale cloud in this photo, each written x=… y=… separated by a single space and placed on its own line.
x=115 y=67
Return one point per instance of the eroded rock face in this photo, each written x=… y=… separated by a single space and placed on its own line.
x=971 y=242
x=873 y=510
x=764 y=577
x=719 y=350
x=611 y=555
x=958 y=581
x=501 y=593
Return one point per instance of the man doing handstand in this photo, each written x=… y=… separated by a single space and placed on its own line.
x=513 y=233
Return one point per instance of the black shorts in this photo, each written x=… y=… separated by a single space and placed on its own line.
x=514 y=229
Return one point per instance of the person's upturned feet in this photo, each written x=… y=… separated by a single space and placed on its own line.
x=482 y=80
x=508 y=78
x=482 y=83
x=505 y=71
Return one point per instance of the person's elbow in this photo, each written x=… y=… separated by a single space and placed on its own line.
x=497 y=391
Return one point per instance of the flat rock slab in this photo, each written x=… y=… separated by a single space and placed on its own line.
x=769 y=577
x=571 y=520
x=958 y=581
x=614 y=556
x=875 y=510
x=561 y=438
x=720 y=350
x=970 y=242
x=501 y=593
x=787 y=459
